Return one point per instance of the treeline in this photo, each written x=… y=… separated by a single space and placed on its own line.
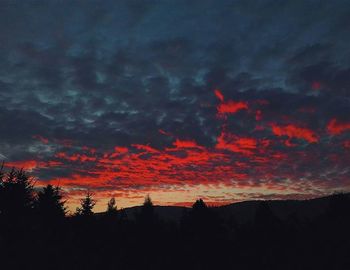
x=36 y=233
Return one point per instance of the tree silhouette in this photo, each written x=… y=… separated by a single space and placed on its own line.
x=111 y=206
x=16 y=194
x=200 y=212
x=50 y=204
x=148 y=201
x=199 y=205
x=147 y=209
x=146 y=217
x=195 y=221
x=86 y=206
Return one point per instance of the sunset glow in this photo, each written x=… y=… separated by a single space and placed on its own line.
x=220 y=101
x=234 y=168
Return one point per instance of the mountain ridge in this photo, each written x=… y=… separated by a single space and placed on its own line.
x=244 y=211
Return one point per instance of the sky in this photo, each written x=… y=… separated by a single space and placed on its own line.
x=223 y=100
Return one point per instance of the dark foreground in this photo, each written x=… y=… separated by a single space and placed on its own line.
x=36 y=235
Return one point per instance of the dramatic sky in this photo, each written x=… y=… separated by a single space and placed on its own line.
x=224 y=100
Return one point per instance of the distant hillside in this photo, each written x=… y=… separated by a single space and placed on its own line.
x=244 y=212
x=169 y=213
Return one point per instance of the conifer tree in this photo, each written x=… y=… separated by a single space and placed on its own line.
x=86 y=206
x=50 y=204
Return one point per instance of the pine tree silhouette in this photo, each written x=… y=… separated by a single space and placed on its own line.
x=50 y=205
x=147 y=210
x=146 y=218
x=16 y=195
x=86 y=206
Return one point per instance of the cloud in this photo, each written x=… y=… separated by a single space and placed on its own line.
x=336 y=127
x=292 y=131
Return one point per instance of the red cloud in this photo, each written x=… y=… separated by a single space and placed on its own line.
x=145 y=148
x=292 y=131
x=335 y=127
x=30 y=165
x=219 y=95
x=227 y=141
x=75 y=157
x=229 y=107
x=185 y=144
x=25 y=164
x=121 y=150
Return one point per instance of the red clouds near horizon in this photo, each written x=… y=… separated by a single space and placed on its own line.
x=234 y=161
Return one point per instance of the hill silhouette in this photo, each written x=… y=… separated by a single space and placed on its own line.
x=244 y=211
